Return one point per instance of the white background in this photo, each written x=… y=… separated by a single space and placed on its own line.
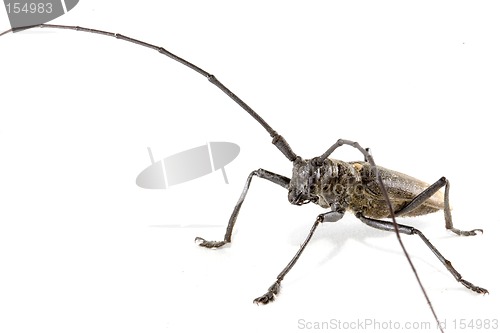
x=83 y=249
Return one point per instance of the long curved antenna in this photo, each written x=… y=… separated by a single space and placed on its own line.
x=278 y=140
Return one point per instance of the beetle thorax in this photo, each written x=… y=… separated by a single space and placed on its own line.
x=329 y=184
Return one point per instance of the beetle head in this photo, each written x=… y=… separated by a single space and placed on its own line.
x=303 y=187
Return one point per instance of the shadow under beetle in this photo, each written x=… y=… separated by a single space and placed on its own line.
x=370 y=192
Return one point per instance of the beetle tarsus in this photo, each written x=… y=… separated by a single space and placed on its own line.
x=467 y=233
x=209 y=244
x=269 y=296
x=472 y=287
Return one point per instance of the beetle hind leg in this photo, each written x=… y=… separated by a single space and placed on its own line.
x=447 y=215
x=427 y=194
x=408 y=230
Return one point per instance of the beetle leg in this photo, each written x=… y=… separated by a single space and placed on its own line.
x=408 y=230
x=274 y=289
x=429 y=192
x=273 y=177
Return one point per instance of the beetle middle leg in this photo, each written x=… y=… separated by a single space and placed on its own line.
x=426 y=194
x=273 y=177
x=408 y=230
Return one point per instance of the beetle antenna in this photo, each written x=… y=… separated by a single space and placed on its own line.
x=277 y=139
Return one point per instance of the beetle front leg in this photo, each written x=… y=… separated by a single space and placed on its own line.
x=274 y=289
x=267 y=175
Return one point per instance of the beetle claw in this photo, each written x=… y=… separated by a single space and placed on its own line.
x=265 y=299
x=475 y=288
x=269 y=296
x=467 y=233
x=209 y=244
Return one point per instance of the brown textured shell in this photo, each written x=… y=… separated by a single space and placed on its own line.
x=356 y=189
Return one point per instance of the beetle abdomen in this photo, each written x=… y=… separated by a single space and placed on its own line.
x=401 y=188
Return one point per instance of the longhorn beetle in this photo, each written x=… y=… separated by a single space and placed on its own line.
x=370 y=192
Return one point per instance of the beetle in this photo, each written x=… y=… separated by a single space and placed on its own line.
x=354 y=186
x=370 y=192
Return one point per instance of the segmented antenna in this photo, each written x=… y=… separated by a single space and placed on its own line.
x=278 y=140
